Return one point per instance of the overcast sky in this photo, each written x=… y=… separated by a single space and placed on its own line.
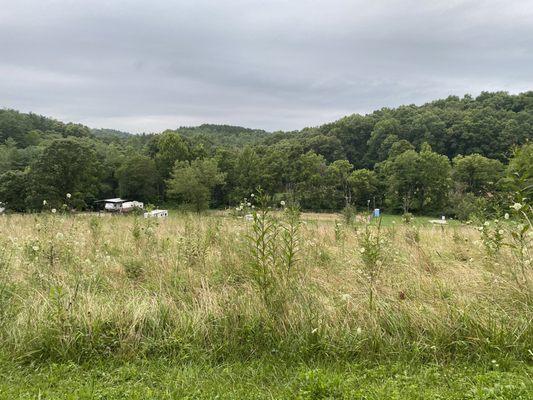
x=155 y=64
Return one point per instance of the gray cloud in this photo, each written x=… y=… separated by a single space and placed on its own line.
x=146 y=66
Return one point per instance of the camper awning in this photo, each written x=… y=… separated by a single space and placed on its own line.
x=117 y=200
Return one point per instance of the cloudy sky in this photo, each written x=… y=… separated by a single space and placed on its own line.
x=277 y=64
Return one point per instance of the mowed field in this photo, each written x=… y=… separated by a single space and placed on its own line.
x=199 y=306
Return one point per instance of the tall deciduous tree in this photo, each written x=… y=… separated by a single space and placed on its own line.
x=66 y=165
x=13 y=187
x=417 y=181
x=519 y=174
x=364 y=185
x=313 y=188
x=339 y=173
x=170 y=147
x=193 y=182
x=477 y=174
x=137 y=179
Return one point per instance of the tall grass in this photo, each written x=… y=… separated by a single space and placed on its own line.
x=82 y=287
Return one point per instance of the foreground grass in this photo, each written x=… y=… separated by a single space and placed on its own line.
x=76 y=288
x=264 y=379
x=190 y=307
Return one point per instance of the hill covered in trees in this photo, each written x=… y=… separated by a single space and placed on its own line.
x=454 y=155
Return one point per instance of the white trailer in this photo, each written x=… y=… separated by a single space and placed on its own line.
x=156 y=214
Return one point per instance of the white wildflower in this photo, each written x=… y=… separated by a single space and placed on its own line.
x=282 y=202
x=500 y=231
x=69 y=195
x=359 y=330
x=54 y=210
x=252 y=195
x=362 y=249
x=44 y=202
x=517 y=206
x=35 y=248
x=506 y=216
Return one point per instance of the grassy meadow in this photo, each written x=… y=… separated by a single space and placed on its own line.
x=284 y=306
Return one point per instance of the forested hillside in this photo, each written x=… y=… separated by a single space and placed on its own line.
x=453 y=156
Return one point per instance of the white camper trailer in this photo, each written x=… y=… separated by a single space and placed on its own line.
x=131 y=205
x=156 y=214
x=113 y=205
x=121 y=205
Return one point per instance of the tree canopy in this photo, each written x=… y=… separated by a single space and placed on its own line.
x=418 y=158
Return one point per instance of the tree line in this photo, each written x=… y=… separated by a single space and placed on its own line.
x=453 y=156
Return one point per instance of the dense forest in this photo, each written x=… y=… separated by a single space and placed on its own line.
x=455 y=156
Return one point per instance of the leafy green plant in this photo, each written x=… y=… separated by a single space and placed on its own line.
x=95 y=226
x=521 y=231
x=349 y=213
x=407 y=218
x=492 y=235
x=136 y=229
x=290 y=237
x=339 y=232
x=262 y=244
x=371 y=254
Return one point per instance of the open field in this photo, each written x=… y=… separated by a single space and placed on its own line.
x=216 y=298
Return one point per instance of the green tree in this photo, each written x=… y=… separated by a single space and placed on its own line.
x=77 y=130
x=385 y=129
x=339 y=173
x=193 y=182
x=248 y=173
x=364 y=185
x=137 y=179
x=329 y=147
x=66 y=165
x=477 y=174
x=434 y=180
x=519 y=173
x=170 y=147
x=13 y=190
x=313 y=189
x=399 y=147
x=417 y=181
